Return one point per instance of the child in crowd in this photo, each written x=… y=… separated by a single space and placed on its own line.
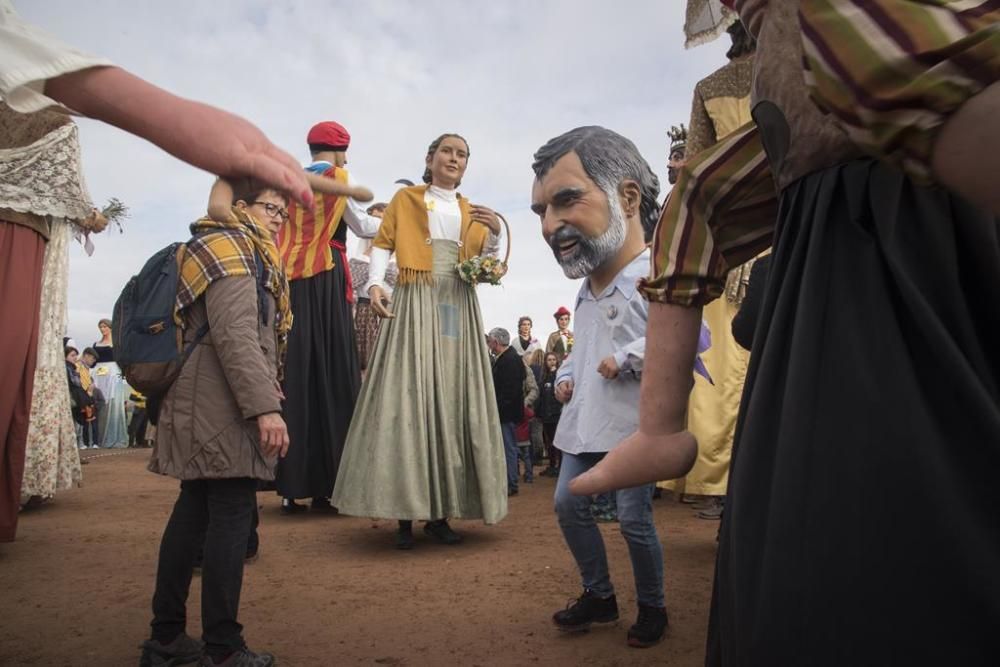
x=81 y=403
x=548 y=411
x=91 y=431
x=523 y=436
x=137 y=425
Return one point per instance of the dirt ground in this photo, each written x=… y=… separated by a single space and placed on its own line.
x=331 y=590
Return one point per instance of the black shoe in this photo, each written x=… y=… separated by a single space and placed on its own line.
x=585 y=610
x=181 y=651
x=442 y=531
x=404 y=536
x=289 y=506
x=322 y=506
x=511 y=492
x=649 y=627
x=242 y=658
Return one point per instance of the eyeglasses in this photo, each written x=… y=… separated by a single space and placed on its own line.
x=273 y=210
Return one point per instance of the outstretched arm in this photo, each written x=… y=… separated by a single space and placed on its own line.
x=724 y=207
x=201 y=135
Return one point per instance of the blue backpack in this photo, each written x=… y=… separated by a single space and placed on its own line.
x=149 y=346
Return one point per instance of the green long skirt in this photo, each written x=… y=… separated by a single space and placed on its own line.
x=425 y=439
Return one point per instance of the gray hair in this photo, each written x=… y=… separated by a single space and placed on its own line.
x=608 y=158
x=501 y=336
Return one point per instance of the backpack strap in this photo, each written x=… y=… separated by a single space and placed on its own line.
x=261 y=292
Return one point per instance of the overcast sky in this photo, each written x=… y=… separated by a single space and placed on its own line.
x=506 y=75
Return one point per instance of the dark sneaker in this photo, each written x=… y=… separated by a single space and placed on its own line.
x=442 y=531
x=585 y=610
x=322 y=506
x=289 y=506
x=242 y=658
x=183 y=650
x=404 y=536
x=649 y=627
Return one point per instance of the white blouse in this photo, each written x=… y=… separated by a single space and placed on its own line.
x=29 y=57
x=444 y=221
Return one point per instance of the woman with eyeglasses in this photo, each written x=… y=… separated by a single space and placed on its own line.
x=220 y=430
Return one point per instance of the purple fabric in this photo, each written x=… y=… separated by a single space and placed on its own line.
x=704 y=342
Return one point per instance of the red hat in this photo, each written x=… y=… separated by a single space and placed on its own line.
x=562 y=311
x=329 y=133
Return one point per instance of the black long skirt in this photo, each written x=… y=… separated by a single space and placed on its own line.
x=863 y=520
x=321 y=385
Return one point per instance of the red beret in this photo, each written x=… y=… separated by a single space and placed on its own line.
x=330 y=134
x=562 y=311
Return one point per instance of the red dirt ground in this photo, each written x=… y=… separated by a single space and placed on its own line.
x=331 y=590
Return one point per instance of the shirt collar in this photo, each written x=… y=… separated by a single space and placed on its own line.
x=626 y=281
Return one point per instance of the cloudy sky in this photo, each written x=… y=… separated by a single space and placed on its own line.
x=506 y=75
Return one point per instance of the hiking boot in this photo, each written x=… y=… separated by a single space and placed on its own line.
x=242 y=658
x=442 y=531
x=183 y=650
x=649 y=627
x=289 y=506
x=585 y=610
x=404 y=536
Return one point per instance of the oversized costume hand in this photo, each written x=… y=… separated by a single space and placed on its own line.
x=487 y=217
x=380 y=302
x=212 y=139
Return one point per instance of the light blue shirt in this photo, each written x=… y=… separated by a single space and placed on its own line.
x=603 y=412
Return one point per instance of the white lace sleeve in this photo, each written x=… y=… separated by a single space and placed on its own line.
x=46 y=177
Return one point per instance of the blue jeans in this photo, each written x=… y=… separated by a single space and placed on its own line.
x=524 y=452
x=510 y=451
x=583 y=537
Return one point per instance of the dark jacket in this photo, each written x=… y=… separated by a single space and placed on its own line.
x=508 y=381
x=548 y=409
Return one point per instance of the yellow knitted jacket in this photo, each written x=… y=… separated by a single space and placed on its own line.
x=406 y=231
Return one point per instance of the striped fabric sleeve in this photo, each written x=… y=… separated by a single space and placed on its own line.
x=720 y=214
x=892 y=71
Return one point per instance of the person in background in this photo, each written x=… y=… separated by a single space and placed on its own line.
x=508 y=382
x=535 y=363
x=366 y=322
x=522 y=436
x=525 y=345
x=549 y=408
x=561 y=340
x=88 y=359
x=137 y=424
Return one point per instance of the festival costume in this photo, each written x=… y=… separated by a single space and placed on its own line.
x=31 y=136
x=109 y=379
x=425 y=442
x=322 y=377
x=860 y=526
x=721 y=105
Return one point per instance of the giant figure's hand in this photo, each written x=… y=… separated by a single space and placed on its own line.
x=639 y=459
x=204 y=136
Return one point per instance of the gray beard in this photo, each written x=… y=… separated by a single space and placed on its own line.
x=593 y=252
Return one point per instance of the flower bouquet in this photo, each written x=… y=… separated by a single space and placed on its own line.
x=485 y=268
x=480 y=269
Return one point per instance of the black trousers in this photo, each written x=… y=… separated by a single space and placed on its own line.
x=217 y=513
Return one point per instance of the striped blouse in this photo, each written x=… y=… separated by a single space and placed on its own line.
x=304 y=241
x=858 y=53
